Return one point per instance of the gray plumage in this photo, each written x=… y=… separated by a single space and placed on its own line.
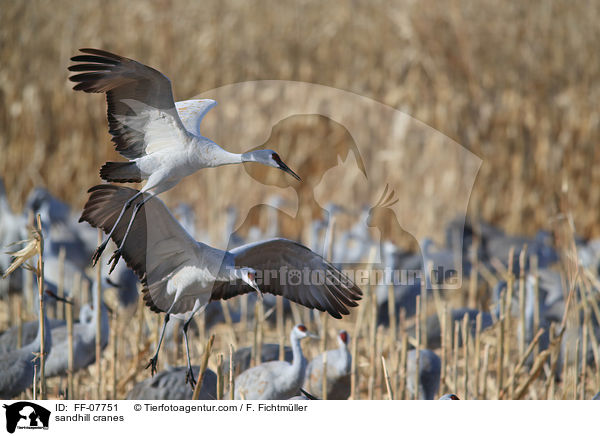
x=441 y=261
x=339 y=363
x=434 y=333
x=84 y=342
x=541 y=245
x=170 y=385
x=17 y=367
x=430 y=367
x=276 y=380
x=13 y=228
x=181 y=275
x=9 y=338
x=126 y=283
x=269 y=352
x=406 y=286
x=449 y=397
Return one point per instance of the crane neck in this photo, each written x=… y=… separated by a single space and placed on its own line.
x=298 y=359
x=227 y=158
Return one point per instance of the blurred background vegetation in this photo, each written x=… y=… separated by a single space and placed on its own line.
x=518 y=84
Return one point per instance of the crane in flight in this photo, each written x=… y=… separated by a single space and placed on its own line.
x=181 y=276
x=147 y=129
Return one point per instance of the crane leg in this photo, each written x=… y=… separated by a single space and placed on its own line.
x=102 y=246
x=117 y=254
x=154 y=360
x=189 y=376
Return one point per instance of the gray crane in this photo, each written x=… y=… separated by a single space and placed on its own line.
x=276 y=380
x=434 y=331
x=339 y=363
x=430 y=367
x=449 y=397
x=170 y=385
x=181 y=275
x=9 y=338
x=126 y=284
x=13 y=228
x=17 y=367
x=242 y=358
x=84 y=342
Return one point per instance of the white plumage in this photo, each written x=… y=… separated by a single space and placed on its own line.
x=147 y=129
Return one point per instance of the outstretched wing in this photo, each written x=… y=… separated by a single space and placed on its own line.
x=192 y=112
x=157 y=248
x=141 y=112
x=295 y=272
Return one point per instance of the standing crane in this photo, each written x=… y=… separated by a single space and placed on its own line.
x=17 y=367
x=275 y=380
x=339 y=364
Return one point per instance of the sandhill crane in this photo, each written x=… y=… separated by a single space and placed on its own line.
x=405 y=294
x=434 y=331
x=147 y=129
x=439 y=263
x=541 y=245
x=13 y=227
x=170 y=385
x=277 y=380
x=449 y=397
x=126 y=284
x=429 y=373
x=303 y=396
x=588 y=254
x=181 y=276
x=9 y=338
x=339 y=363
x=61 y=229
x=17 y=367
x=242 y=358
x=84 y=342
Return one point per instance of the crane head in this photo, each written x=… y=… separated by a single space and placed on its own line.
x=343 y=338
x=300 y=331
x=248 y=276
x=269 y=158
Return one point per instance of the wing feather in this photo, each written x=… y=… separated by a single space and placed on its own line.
x=157 y=246
x=320 y=286
x=133 y=129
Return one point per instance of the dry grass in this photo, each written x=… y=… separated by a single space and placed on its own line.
x=517 y=85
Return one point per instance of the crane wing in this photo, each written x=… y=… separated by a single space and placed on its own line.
x=142 y=117
x=295 y=272
x=156 y=248
x=191 y=113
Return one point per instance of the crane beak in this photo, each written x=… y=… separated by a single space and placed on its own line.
x=254 y=285
x=259 y=293
x=284 y=167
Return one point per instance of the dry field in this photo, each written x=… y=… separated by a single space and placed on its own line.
x=517 y=86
